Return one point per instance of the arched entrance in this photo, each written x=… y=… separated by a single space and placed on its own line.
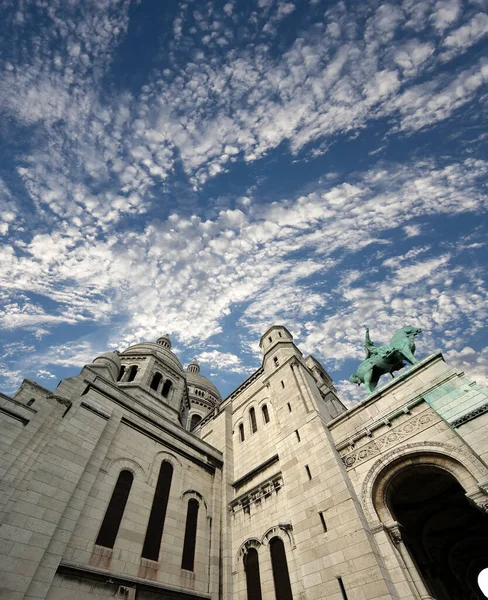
x=447 y=537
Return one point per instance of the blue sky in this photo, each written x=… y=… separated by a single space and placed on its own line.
x=206 y=169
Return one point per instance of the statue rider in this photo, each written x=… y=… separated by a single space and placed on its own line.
x=371 y=349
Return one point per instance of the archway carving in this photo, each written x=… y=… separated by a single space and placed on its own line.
x=466 y=467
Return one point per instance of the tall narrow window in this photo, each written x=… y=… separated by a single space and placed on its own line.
x=265 y=413
x=166 y=388
x=307 y=468
x=270 y=339
x=297 y=434
x=195 y=419
x=281 y=576
x=241 y=432
x=155 y=381
x=253 y=578
x=121 y=372
x=113 y=516
x=252 y=416
x=276 y=362
x=132 y=373
x=283 y=384
x=155 y=526
x=188 y=559
x=289 y=406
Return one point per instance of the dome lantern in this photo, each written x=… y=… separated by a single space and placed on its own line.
x=193 y=367
x=164 y=341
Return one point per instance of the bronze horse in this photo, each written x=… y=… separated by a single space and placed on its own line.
x=387 y=358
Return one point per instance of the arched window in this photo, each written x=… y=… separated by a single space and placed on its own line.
x=166 y=388
x=156 y=381
x=132 y=373
x=155 y=526
x=188 y=558
x=121 y=372
x=31 y=402
x=276 y=362
x=241 y=432
x=113 y=516
x=195 y=419
x=252 y=416
x=253 y=578
x=281 y=577
x=265 y=413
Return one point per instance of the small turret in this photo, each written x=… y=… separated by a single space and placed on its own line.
x=193 y=367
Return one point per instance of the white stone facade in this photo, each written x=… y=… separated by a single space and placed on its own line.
x=279 y=459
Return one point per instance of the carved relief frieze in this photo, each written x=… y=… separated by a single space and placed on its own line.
x=397 y=434
x=257 y=494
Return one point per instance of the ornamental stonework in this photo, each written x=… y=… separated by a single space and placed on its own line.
x=396 y=435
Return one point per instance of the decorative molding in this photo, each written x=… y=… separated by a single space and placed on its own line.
x=257 y=494
x=397 y=434
x=385 y=420
x=481 y=410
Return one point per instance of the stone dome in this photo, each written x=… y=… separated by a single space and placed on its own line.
x=110 y=360
x=163 y=353
x=194 y=378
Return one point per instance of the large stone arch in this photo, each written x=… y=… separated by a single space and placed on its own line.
x=463 y=465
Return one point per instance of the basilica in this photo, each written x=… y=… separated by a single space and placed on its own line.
x=135 y=479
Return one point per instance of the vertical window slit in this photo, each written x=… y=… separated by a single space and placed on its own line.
x=297 y=434
x=289 y=406
x=265 y=413
x=254 y=425
x=283 y=384
x=322 y=520
x=343 y=589
x=281 y=575
x=253 y=577
x=188 y=559
x=241 y=432
x=154 y=532
x=115 y=511
x=308 y=471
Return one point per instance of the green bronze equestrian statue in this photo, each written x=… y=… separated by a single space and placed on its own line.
x=387 y=358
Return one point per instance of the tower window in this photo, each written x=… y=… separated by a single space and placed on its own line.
x=289 y=406
x=241 y=432
x=155 y=526
x=156 y=380
x=283 y=384
x=307 y=468
x=276 y=362
x=281 y=576
x=270 y=339
x=188 y=559
x=252 y=416
x=195 y=419
x=121 y=372
x=132 y=373
x=31 y=402
x=297 y=434
x=265 y=413
x=279 y=333
x=166 y=388
x=253 y=577
x=115 y=511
